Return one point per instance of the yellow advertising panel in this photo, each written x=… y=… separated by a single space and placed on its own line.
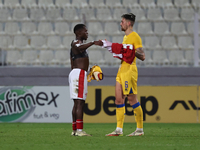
x=162 y=104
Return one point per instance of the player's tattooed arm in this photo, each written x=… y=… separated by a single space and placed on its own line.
x=139 y=53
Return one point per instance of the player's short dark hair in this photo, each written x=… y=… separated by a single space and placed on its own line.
x=129 y=16
x=78 y=27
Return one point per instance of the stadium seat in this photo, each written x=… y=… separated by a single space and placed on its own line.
x=171 y=14
x=62 y=57
x=11 y=3
x=103 y=37
x=79 y=4
x=140 y=13
x=5 y=14
x=190 y=28
x=67 y=40
x=12 y=28
x=95 y=28
x=29 y=57
x=160 y=57
x=189 y=56
x=96 y=3
x=53 y=14
x=111 y=28
x=13 y=57
x=21 y=42
x=154 y=14
x=37 y=14
x=1 y=4
x=164 y=3
x=28 y=3
x=96 y=57
x=178 y=28
x=70 y=14
x=117 y=39
x=152 y=42
x=45 y=3
x=54 y=42
x=149 y=3
x=169 y=43
x=187 y=14
x=38 y=42
x=63 y=3
x=88 y=12
x=118 y=12
x=104 y=14
x=62 y=28
x=73 y=24
x=196 y=3
x=130 y=3
x=89 y=39
x=182 y=3
x=46 y=57
x=20 y=14
x=5 y=41
x=161 y=28
x=144 y=28
x=28 y=28
x=148 y=59
x=113 y=3
x=185 y=43
x=176 y=57
x=2 y=29
x=45 y=28
x=110 y=60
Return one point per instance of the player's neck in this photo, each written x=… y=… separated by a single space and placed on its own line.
x=80 y=39
x=129 y=31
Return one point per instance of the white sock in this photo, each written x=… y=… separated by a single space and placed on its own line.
x=119 y=129
x=139 y=129
x=79 y=130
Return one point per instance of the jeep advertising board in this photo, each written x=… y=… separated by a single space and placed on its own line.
x=161 y=104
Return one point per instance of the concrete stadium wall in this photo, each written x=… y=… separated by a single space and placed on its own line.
x=50 y=76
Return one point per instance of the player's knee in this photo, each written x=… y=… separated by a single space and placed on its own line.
x=119 y=101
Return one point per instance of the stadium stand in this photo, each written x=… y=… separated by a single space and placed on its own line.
x=113 y=3
x=96 y=3
x=164 y=3
x=131 y=3
x=29 y=57
x=34 y=30
x=62 y=3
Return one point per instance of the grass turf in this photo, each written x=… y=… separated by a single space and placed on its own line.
x=51 y=136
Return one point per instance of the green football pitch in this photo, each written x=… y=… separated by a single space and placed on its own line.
x=56 y=136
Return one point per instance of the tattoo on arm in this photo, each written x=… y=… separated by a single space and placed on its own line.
x=139 y=53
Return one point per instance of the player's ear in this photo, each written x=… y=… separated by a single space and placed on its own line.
x=129 y=23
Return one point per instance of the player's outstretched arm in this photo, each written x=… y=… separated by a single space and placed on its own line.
x=139 y=53
x=99 y=43
x=82 y=46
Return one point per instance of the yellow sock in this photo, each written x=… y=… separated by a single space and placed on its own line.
x=138 y=113
x=120 y=114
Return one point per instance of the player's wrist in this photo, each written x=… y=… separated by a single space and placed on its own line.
x=92 y=42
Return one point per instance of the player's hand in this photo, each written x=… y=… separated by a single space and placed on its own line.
x=99 y=43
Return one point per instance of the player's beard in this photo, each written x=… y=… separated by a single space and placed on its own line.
x=123 y=28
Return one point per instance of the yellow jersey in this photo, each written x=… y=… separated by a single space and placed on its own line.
x=127 y=74
x=133 y=39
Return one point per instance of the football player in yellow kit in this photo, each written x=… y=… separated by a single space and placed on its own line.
x=126 y=80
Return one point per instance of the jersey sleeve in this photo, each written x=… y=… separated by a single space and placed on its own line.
x=137 y=41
